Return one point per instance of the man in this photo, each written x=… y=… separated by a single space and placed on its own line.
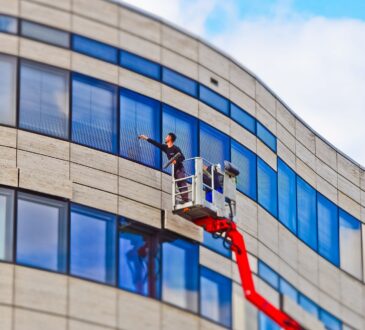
x=171 y=150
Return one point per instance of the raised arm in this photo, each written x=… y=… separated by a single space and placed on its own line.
x=155 y=143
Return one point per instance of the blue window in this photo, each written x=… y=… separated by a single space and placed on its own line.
x=180 y=82
x=45 y=34
x=267 y=187
x=265 y=323
x=266 y=136
x=140 y=65
x=214 y=145
x=44 y=99
x=309 y=306
x=8 y=83
x=94 y=48
x=216 y=244
x=41 y=232
x=186 y=129
x=139 y=115
x=213 y=99
x=330 y=322
x=350 y=244
x=287 y=192
x=288 y=290
x=245 y=161
x=307 y=213
x=94 y=113
x=6 y=224
x=92 y=244
x=8 y=24
x=243 y=118
x=215 y=297
x=180 y=261
x=268 y=275
x=139 y=256
x=328 y=245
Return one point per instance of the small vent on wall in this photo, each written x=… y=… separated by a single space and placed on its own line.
x=214 y=81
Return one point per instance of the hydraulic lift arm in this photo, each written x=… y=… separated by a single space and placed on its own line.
x=234 y=240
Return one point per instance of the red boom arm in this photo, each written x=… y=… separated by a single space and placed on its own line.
x=237 y=245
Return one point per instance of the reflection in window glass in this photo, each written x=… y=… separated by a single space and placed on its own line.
x=350 y=244
x=288 y=290
x=180 y=82
x=41 y=232
x=213 y=99
x=8 y=73
x=269 y=275
x=6 y=224
x=92 y=244
x=243 y=118
x=180 y=261
x=215 y=297
x=266 y=136
x=330 y=322
x=139 y=114
x=44 y=99
x=139 y=262
x=8 y=24
x=216 y=244
x=265 y=323
x=94 y=113
x=309 y=306
x=45 y=33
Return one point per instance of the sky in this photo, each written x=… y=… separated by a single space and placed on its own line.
x=311 y=53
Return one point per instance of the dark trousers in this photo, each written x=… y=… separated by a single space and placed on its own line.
x=183 y=185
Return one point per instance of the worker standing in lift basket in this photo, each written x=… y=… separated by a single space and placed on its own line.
x=173 y=151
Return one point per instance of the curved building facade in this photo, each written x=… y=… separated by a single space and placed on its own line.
x=87 y=236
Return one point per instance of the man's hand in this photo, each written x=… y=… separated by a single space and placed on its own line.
x=174 y=162
x=143 y=137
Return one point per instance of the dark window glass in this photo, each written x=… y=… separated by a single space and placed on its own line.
x=45 y=34
x=350 y=244
x=330 y=322
x=6 y=224
x=8 y=73
x=265 y=323
x=215 y=297
x=139 y=262
x=186 y=129
x=307 y=213
x=180 y=82
x=94 y=113
x=266 y=136
x=140 y=65
x=139 y=115
x=267 y=187
x=213 y=99
x=180 y=261
x=245 y=161
x=288 y=290
x=243 y=118
x=309 y=306
x=287 y=192
x=44 y=99
x=94 y=48
x=216 y=244
x=8 y=24
x=269 y=275
x=41 y=232
x=92 y=244
x=328 y=245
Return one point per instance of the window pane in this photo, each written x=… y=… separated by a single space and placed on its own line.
x=94 y=113
x=41 y=232
x=44 y=99
x=94 y=48
x=180 y=82
x=140 y=65
x=8 y=24
x=243 y=118
x=350 y=244
x=215 y=297
x=265 y=323
x=6 y=224
x=308 y=305
x=287 y=189
x=266 y=136
x=213 y=99
x=269 y=275
x=186 y=129
x=328 y=246
x=180 y=274
x=330 y=322
x=307 y=213
x=245 y=161
x=44 y=33
x=288 y=290
x=216 y=244
x=93 y=248
x=139 y=115
x=214 y=145
x=139 y=267
x=8 y=73
x=267 y=187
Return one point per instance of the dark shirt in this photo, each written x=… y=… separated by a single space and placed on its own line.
x=170 y=152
